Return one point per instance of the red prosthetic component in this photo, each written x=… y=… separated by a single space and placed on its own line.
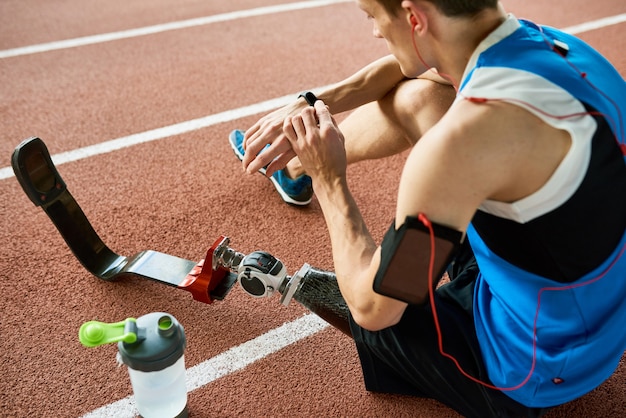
x=205 y=277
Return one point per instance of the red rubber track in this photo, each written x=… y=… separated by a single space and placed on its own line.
x=178 y=194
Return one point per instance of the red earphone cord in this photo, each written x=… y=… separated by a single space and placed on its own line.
x=431 y=295
x=428 y=224
x=618 y=125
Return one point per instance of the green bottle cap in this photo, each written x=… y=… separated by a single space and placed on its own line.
x=94 y=333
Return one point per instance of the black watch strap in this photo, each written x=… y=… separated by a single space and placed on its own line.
x=309 y=97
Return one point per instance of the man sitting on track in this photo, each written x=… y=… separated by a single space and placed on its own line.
x=518 y=143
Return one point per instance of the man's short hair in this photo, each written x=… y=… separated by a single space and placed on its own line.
x=452 y=8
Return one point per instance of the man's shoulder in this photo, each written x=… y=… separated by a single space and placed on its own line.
x=511 y=148
x=473 y=121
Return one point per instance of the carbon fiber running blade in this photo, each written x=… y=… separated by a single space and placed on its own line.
x=43 y=184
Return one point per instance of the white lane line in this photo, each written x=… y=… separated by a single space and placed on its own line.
x=160 y=133
x=228 y=362
x=149 y=30
x=596 y=24
x=183 y=127
x=224 y=17
x=241 y=356
x=164 y=132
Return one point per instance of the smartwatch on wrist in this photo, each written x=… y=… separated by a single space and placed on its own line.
x=309 y=97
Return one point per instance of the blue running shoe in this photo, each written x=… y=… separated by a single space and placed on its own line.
x=298 y=191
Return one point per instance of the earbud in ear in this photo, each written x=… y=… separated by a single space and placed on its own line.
x=413 y=20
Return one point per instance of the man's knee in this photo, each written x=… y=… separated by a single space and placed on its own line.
x=420 y=103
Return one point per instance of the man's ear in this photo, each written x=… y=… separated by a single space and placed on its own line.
x=415 y=15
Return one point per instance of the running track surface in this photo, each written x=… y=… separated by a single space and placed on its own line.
x=136 y=104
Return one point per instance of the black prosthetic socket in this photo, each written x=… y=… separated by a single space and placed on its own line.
x=319 y=293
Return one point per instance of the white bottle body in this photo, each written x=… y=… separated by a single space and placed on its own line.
x=160 y=394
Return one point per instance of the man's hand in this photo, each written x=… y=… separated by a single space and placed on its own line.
x=269 y=130
x=315 y=138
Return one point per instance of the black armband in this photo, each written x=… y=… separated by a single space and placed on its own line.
x=405 y=261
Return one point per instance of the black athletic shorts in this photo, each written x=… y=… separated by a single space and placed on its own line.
x=405 y=359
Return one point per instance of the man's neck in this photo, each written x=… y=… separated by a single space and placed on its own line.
x=460 y=37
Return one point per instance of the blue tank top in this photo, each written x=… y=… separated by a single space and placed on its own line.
x=547 y=342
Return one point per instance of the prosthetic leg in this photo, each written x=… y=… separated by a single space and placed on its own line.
x=259 y=273
x=319 y=293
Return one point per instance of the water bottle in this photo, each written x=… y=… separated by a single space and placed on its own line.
x=152 y=346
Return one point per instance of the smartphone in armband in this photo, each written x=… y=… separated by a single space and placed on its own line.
x=405 y=259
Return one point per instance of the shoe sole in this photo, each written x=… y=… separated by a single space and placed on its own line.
x=285 y=196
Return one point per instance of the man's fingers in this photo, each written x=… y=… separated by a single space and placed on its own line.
x=309 y=119
x=250 y=135
x=266 y=155
x=280 y=162
x=298 y=126
x=252 y=148
x=323 y=114
x=289 y=131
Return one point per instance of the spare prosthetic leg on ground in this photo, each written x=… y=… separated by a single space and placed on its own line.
x=260 y=274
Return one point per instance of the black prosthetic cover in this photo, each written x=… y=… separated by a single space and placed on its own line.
x=319 y=293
